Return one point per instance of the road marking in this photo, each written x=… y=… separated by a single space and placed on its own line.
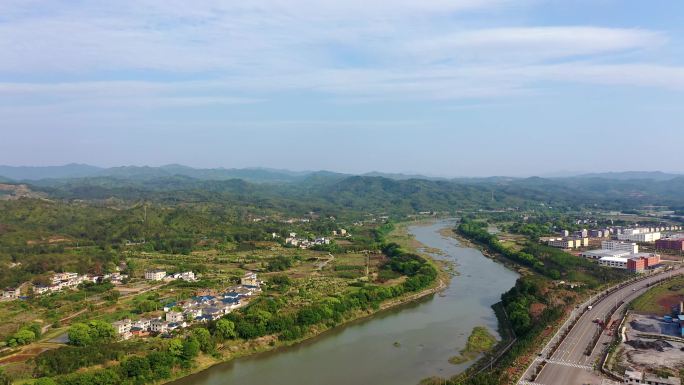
x=571 y=364
x=521 y=382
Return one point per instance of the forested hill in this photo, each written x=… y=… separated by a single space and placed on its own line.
x=329 y=193
x=333 y=191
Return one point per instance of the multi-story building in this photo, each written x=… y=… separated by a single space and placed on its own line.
x=143 y=324
x=159 y=326
x=629 y=247
x=616 y=262
x=568 y=243
x=670 y=244
x=598 y=254
x=123 y=328
x=155 y=275
x=641 y=262
x=639 y=235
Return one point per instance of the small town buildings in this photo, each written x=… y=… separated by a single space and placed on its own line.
x=641 y=262
x=635 y=263
x=123 y=328
x=10 y=294
x=644 y=234
x=598 y=254
x=250 y=279
x=188 y=276
x=615 y=262
x=40 y=289
x=142 y=323
x=155 y=275
x=159 y=326
x=568 y=243
x=676 y=244
x=192 y=313
x=58 y=278
x=175 y=316
x=630 y=247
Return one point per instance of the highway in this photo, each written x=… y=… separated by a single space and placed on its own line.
x=569 y=365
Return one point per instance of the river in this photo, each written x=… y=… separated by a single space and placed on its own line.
x=400 y=346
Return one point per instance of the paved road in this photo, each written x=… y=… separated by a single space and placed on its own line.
x=569 y=365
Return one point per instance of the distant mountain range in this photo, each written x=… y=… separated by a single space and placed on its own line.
x=72 y=171
x=398 y=192
x=265 y=175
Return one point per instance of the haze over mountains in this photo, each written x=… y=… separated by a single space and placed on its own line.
x=260 y=175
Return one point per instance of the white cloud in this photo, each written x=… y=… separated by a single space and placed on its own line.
x=533 y=44
x=244 y=52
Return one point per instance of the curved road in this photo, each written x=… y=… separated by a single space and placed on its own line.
x=569 y=365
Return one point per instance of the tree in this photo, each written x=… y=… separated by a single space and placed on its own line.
x=203 y=336
x=136 y=367
x=25 y=336
x=176 y=347
x=36 y=329
x=225 y=329
x=191 y=348
x=79 y=334
x=101 y=331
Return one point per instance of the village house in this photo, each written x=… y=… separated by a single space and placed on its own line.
x=143 y=324
x=123 y=328
x=159 y=326
x=10 y=294
x=250 y=279
x=174 y=316
x=155 y=275
x=186 y=276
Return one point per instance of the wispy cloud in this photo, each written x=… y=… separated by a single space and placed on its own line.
x=211 y=52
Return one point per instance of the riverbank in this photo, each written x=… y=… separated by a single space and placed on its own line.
x=399 y=342
x=270 y=345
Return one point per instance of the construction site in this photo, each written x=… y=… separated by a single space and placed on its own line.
x=651 y=348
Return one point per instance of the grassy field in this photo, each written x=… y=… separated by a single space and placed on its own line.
x=480 y=341
x=660 y=299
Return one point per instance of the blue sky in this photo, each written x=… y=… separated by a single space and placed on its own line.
x=441 y=87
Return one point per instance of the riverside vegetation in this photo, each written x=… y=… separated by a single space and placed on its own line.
x=536 y=301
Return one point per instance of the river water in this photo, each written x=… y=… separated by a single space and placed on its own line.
x=400 y=346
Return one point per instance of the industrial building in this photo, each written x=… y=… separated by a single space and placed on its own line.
x=616 y=262
x=598 y=254
x=612 y=249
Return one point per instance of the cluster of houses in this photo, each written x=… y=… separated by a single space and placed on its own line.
x=305 y=243
x=68 y=280
x=160 y=275
x=581 y=238
x=181 y=314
